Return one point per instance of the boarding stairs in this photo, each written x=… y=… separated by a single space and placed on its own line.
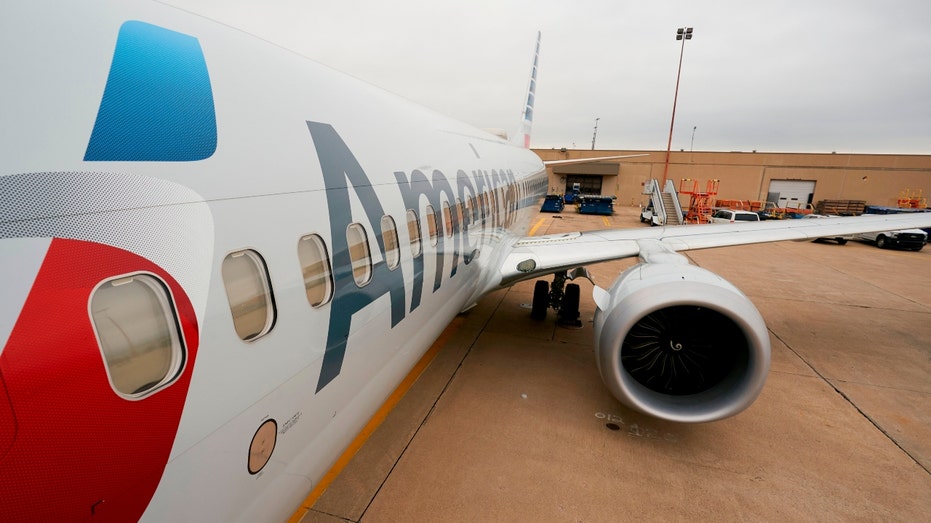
x=666 y=207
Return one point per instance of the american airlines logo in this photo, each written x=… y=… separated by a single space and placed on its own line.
x=339 y=165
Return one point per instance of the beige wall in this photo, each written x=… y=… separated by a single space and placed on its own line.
x=879 y=179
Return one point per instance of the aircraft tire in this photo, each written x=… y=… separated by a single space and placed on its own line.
x=541 y=298
x=569 y=308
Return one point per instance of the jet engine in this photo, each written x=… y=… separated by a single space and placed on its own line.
x=680 y=343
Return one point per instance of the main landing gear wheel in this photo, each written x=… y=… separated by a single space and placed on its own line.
x=541 y=300
x=569 y=307
x=559 y=295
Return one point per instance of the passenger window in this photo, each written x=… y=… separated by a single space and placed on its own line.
x=389 y=235
x=470 y=210
x=413 y=230
x=249 y=293
x=359 y=253
x=448 y=220
x=431 y=224
x=315 y=266
x=137 y=331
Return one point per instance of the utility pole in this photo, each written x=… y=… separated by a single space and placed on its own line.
x=683 y=33
x=595 y=134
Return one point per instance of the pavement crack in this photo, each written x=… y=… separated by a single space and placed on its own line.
x=850 y=401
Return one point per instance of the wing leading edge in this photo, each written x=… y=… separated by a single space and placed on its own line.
x=531 y=256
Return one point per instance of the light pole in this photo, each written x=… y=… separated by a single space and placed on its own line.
x=692 y=143
x=683 y=33
x=594 y=134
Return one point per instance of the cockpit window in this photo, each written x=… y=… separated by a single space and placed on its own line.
x=136 y=325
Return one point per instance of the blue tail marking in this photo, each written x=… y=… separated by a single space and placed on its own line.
x=158 y=104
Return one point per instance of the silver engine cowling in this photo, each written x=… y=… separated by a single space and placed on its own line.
x=680 y=343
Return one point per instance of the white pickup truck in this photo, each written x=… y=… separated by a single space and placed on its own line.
x=912 y=239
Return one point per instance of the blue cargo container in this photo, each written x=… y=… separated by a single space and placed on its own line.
x=596 y=205
x=553 y=203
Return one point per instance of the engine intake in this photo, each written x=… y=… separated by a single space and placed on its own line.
x=678 y=342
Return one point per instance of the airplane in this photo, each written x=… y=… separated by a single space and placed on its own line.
x=218 y=258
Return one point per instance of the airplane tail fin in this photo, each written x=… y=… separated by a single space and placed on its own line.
x=522 y=138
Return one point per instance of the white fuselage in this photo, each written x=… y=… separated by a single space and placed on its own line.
x=263 y=188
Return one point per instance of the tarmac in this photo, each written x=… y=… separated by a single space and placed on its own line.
x=511 y=422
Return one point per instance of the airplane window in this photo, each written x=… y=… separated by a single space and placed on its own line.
x=431 y=224
x=389 y=234
x=137 y=330
x=448 y=220
x=359 y=253
x=413 y=230
x=470 y=210
x=315 y=266
x=249 y=293
x=459 y=212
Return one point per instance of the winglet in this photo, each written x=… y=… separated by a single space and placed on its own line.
x=522 y=138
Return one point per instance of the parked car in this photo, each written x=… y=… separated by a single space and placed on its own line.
x=841 y=240
x=912 y=239
x=732 y=216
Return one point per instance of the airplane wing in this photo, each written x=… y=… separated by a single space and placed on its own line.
x=592 y=160
x=672 y=339
x=535 y=256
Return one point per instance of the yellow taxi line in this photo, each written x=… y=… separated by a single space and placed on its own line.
x=536 y=226
x=375 y=422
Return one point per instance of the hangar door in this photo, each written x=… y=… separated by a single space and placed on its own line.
x=791 y=194
x=589 y=176
x=587 y=184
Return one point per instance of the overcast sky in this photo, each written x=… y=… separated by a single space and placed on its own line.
x=779 y=75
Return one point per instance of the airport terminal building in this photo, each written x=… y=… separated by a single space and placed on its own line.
x=792 y=180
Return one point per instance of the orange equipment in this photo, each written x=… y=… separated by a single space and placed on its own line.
x=700 y=201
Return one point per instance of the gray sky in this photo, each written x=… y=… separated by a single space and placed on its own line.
x=781 y=75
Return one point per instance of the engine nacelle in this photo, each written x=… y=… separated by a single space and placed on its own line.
x=679 y=342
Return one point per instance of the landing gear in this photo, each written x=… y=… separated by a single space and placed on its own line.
x=559 y=295
x=569 y=308
x=541 y=300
